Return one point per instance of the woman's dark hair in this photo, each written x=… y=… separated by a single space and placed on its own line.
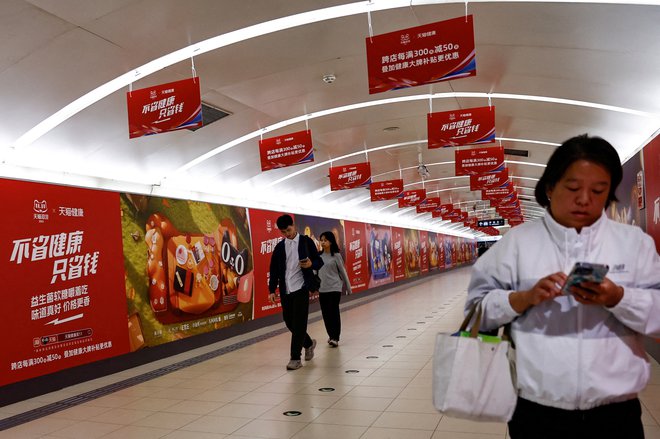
x=583 y=147
x=330 y=237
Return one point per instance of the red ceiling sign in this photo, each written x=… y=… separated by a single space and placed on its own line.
x=421 y=55
x=496 y=193
x=287 y=150
x=487 y=181
x=461 y=127
x=165 y=107
x=428 y=205
x=479 y=160
x=386 y=190
x=412 y=198
x=350 y=176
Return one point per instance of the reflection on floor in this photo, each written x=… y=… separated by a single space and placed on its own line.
x=377 y=384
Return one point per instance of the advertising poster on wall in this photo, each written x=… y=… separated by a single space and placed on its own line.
x=421 y=55
x=433 y=251
x=449 y=258
x=398 y=257
x=164 y=107
x=652 y=187
x=441 y=251
x=65 y=301
x=265 y=236
x=188 y=266
x=380 y=255
x=627 y=209
x=313 y=226
x=357 y=266
x=423 y=251
x=411 y=252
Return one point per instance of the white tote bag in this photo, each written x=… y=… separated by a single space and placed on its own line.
x=474 y=379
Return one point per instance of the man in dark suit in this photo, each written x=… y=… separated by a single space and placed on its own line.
x=291 y=268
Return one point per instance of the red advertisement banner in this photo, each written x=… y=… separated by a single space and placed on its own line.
x=491 y=180
x=357 y=266
x=65 y=303
x=398 y=262
x=428 y=205
x=471 y=126
x=423 y=251
x=265 y=235
x=350 y=176
x=421 y=55
x=433 y=251
x=386 y=190
x=165 y=107
x=496 y=193
x=282 y=151
x=479 y=160
x=412 y=198
x=442 y=251
x=652 y=172
x=380 y=255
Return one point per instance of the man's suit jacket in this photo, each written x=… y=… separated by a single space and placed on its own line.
x=306 y=249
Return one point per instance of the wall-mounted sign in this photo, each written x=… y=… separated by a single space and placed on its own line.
x=461 y=127
x=421 y=55
x=350 y=176
x=490 y=222
x=165 y=107
x=282 y=151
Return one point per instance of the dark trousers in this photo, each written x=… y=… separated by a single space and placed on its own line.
x=330 y=311
x=621 y=420
x=295 y=309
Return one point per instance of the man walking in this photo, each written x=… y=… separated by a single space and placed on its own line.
x=291 y=267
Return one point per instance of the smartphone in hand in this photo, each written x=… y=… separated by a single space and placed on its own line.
x=584 y=272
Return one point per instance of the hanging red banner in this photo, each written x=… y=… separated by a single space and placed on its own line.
x=496 y=193
x=479 y=160
x=282 y=151
x=428 y=205
x=165 y=107
x=461 y=127
x=65 y=302
x=421 y=55
x=386 y=190
x=491 y=180
x=412 y=198
x=350 y=176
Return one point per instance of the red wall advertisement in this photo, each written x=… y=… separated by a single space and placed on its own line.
x=350 y=176
x=487 y=181
x=380 y=255
x=652 y=172
x=421 y=55
x=165 y=107
x=188 y=267
x=423 y=251
x=479 y=160
x=441 y=251
x=398 y=258
x=265 y=236
x=470 y=126
x=282 y=151
x=412 y=198
x=386 y=190
x=65 y=303
x=411 y=252
x=357 y=266
x=433 y=251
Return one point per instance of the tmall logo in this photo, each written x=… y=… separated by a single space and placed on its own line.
x=40 y=206
x=153 y=94
x=405 y=39
x=269 y=226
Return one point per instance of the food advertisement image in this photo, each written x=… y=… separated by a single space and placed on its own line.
x=380 y=255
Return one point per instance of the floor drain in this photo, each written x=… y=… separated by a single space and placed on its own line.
x=371 y=357
x=388 y=345
x=352 y=371
x=326 y=389
x=292 y=413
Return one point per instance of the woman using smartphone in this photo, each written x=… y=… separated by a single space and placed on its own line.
x=333 y=276
x=580 y=357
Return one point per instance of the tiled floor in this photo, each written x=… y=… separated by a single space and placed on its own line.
x=386 y=344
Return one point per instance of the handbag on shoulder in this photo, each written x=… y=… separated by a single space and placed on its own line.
x=474 y=374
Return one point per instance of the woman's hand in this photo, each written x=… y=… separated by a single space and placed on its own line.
x=606 y=293
x=546 y=288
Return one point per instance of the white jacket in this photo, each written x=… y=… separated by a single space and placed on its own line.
x=569 y=355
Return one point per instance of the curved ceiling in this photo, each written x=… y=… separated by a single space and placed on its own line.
x=552 y=70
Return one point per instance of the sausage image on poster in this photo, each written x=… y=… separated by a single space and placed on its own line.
x=380 y=255
x=188 y=267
